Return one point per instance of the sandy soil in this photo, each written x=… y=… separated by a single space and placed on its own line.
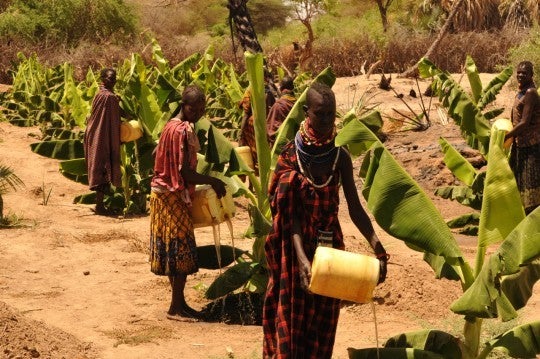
x=76 y=285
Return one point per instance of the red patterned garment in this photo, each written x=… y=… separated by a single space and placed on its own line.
x=298 y=324
x=102 y=141
x=176 y=136
x=277 y=114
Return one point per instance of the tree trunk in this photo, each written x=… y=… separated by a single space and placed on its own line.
x=412 y=70
x=383 y=11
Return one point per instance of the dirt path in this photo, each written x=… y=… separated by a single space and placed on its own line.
x=76 y=285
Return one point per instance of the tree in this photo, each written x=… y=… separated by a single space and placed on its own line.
x=383 y=9
x=521 y=13
x=305 y=11
x=444 y=30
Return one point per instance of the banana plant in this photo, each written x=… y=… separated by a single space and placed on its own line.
x=468 y=111
x=251 y=274
x=495 y=287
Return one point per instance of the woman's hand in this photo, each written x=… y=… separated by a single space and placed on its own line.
x=383 y=261
x=218 y=186
x=304 y=268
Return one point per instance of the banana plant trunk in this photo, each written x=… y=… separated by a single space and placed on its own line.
x=471 y=332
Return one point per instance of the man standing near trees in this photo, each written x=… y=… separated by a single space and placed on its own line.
x=102 y=141
x=525 y=155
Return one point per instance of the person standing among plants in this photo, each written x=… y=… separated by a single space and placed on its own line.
x=305 y=202
x=280 y=110
x=102 y=140
x=173 y=250
x=525 y=153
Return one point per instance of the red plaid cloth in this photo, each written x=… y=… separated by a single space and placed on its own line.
x=298 y=324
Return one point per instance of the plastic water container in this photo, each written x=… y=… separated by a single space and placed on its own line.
x=208 y=210
x=130 y=131
x=344 y=275
x=245 y=153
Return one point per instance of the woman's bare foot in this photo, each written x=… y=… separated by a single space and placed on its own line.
x=185 y=311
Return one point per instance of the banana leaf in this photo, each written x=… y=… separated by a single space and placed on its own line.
x=474 y=78
x=75 y=166
x=159 y=59
x=502 y=208
x=466 y=219
x=460 y=167
x=459 y=105
x=392 y=353
x=72 y=100
x=461 y=194
x=485 y=298
x=254 y=66
x=434 y=341
x=232 y=279
x=519 y=342
x=404 y=211
x=60 y=150
x=207 y=256
x=356 y=134
x=489 y=93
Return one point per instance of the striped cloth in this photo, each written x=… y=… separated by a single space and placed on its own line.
x=102 y=141
x=298 y=324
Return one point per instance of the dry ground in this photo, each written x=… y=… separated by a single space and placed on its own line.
x=76 y=285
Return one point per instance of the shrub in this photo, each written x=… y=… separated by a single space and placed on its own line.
x=68 y=21
x=528 y=50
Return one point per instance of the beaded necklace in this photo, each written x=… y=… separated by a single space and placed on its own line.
x=302 y=156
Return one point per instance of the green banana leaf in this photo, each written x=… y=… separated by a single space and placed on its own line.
x=434 y=341
x=502 y=208
x=404 y=211
x=461 y=194
x=76 y=167
x=354 y=134
x=254 y=67
x=460 y=167
x=60 y=150
x=72 y=99
x=489 y=93
x=392 y=353
x=519 y=342
x=485 y=299
x=459 y=105
x=207 y=256
x=466 y=219
x=159 y=59
x=474 y=78
x=232 y=279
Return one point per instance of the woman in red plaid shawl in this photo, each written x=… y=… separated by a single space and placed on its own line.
x=304 y=200
x=173 y=251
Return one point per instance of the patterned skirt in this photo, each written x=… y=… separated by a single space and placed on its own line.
x=525 y=163
x=173 y=249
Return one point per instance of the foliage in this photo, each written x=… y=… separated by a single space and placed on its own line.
x=468 y=111
x=498 y=285
x=8 y=181
x=68 y=21
x=528 y=50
